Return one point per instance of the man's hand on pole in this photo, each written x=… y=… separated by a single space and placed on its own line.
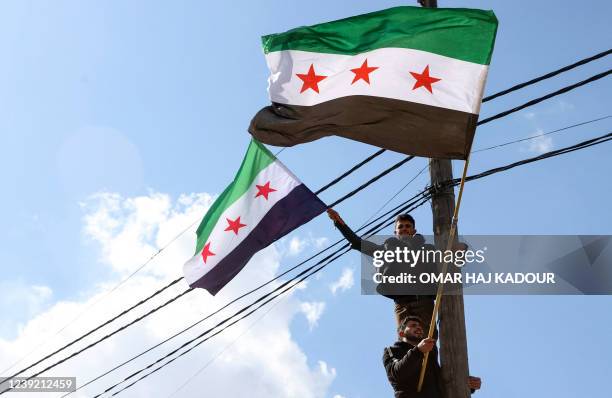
x=474 y=383
x=426 y=345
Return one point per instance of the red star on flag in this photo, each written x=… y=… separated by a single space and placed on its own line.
x=264 y=190
x=206 y=252
x=424 y=80
x=310 y=79
x=234 y=225
x=363 y=72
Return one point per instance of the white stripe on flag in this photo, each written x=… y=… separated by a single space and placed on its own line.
x=460 y=88
x=250 y=209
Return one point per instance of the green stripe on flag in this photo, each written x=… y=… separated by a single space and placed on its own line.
x=257 y=158
x=460 y=33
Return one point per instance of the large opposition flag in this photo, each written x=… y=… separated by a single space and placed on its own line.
x=264 y=203
x=408 y=79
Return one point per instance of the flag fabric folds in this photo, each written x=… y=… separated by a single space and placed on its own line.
x=408 y=79
x=263 y=203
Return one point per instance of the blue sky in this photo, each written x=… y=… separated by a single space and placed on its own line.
x=142 y=97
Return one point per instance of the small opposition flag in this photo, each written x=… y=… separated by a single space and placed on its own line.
x=264 y=203
x=408 y=79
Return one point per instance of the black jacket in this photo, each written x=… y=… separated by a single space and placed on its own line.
x=403 y=364
x=399 y=293
x=368 y=248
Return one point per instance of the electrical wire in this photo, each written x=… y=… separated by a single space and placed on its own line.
x=547 y=75
x=89 y=307
x=350 y=171
x=400 y=208
x=330 y=184
x=533 y=137
x=138 y=319
x=367 y=183
x=581 y=145
x=545 y=97
x=228 y=346
x=98 y=327
x=304 y=274
x=502 y=114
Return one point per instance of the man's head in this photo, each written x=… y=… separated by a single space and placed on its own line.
x=411 y=328
x=404 y=226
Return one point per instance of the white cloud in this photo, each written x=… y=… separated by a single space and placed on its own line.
x=345 y=282
x=539 y=144
x=302 y=285
x=326 y=370
x=18 y=303
x=313 y=312
x=555 y=108
x=320 y=242
x=265 y=358
x=338 y=396
x=565 y=106
x=296 y=245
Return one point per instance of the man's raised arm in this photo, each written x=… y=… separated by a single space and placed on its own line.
x=364 y=246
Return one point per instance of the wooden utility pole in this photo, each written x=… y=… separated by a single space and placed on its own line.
x=453 y=342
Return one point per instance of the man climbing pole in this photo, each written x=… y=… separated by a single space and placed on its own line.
x=405 y=236
x=403 y=360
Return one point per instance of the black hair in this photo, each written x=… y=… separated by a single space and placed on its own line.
x=405 y=217
x=409 y=318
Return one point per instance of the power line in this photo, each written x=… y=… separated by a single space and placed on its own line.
x=540 y=99
x=270 y=309
x=582 y=145
x=231 y=324
x=322 y=263
x=105 y=295
x=216 y=356
x=257 y=301
x=379 y=152
x=398 y=164
x=350 y=194
x=106 y=336
x=533 y=137
x=333 y=182
x=399 y=208
x=545 y=97
x=500 y=115
x=201 y=369
x=116 y=287
x=398 y=192
x=514 y=88
x=98 y=327
x=378 y=177
x=350 y=171
x=547 y=76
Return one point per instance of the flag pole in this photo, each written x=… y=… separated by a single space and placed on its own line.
x=449 y=246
